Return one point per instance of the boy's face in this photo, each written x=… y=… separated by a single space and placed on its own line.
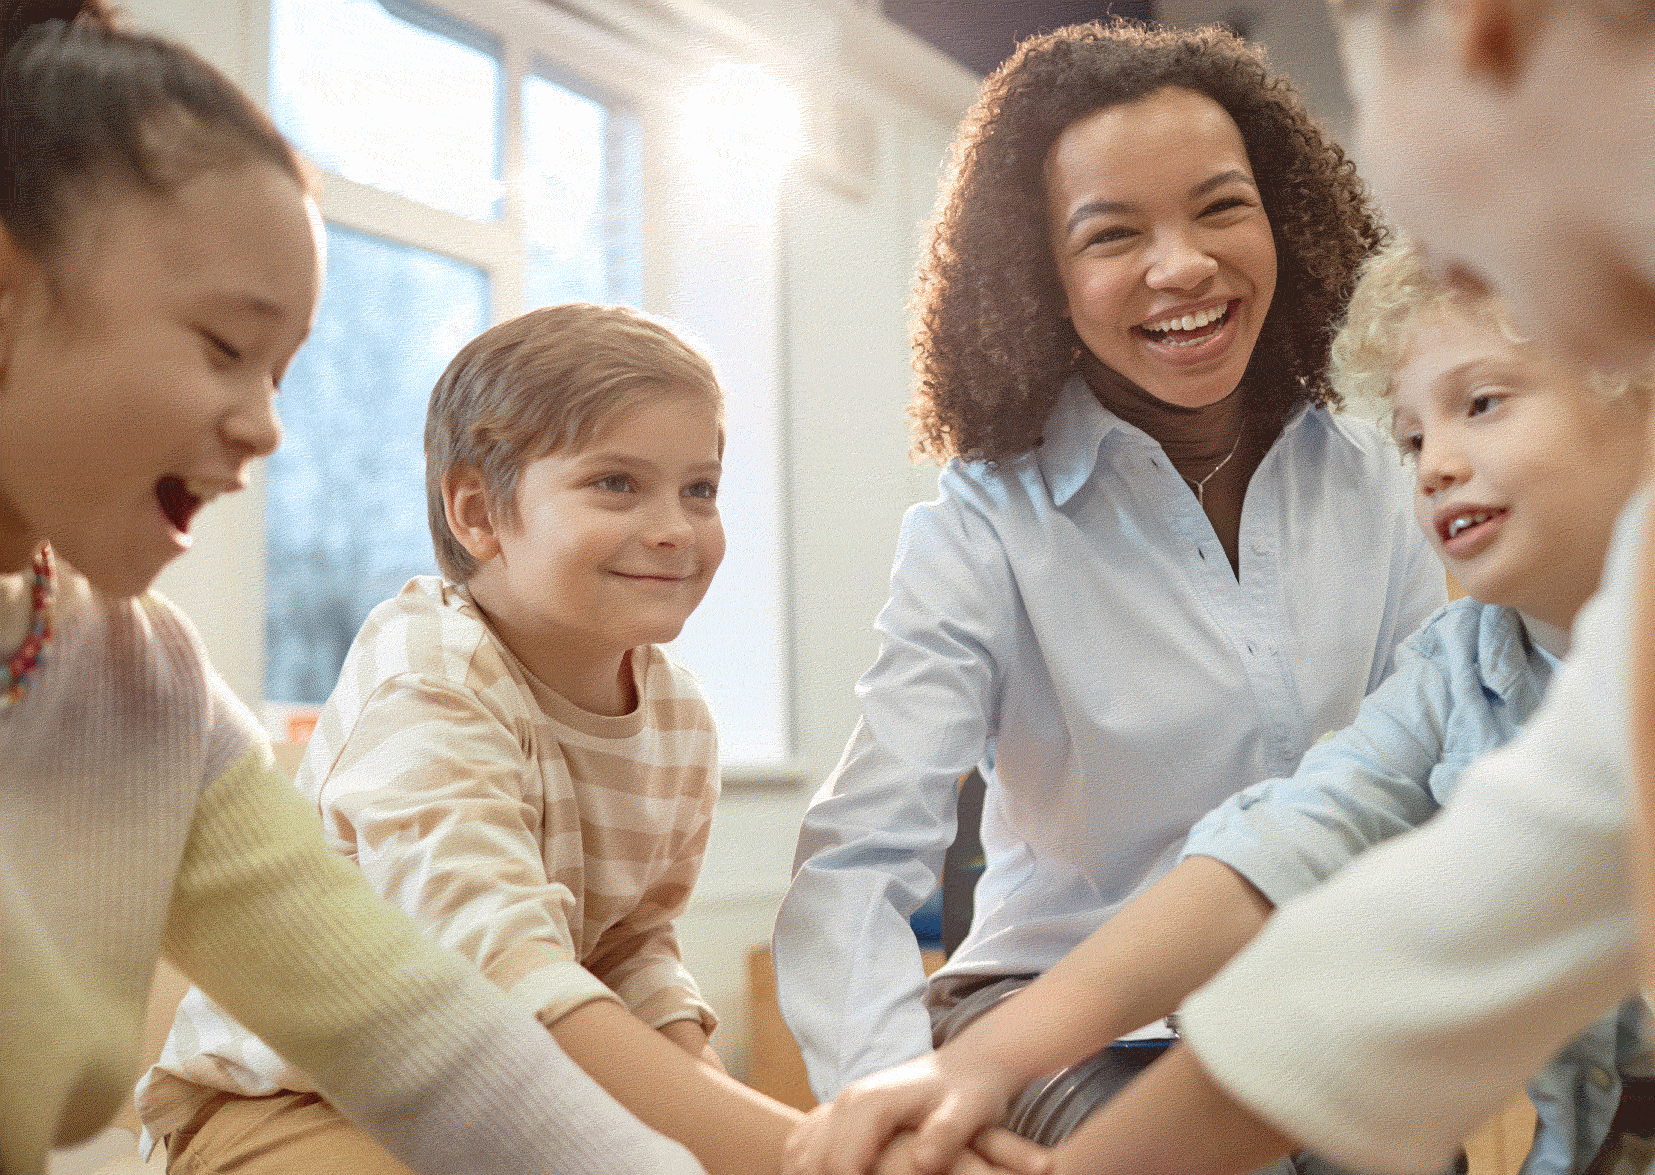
x=618 y=540
x=1523 y=162
x=1519 y=472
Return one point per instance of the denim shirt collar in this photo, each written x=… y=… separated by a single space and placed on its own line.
x=1502 y=651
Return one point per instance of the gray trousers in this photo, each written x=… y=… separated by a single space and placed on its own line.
x=1049 y=1109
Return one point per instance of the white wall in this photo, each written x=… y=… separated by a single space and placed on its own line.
x=847 y=253
x=1299 y=37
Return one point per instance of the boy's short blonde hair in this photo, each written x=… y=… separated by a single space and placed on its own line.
x=545 y=381
x=1396 y=288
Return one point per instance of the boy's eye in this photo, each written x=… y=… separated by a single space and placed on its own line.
x=1484 y=402
x=702 y=489
x=616 y=483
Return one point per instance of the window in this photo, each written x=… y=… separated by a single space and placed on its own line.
x=345 y=523
x=471 y=173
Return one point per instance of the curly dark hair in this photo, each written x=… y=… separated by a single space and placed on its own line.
x=993 y=348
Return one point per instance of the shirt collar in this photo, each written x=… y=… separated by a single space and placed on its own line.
x=1502 y=650
x=1075 y=432
x=1073 y=435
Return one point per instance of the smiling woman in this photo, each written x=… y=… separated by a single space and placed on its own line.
x=1158 y=568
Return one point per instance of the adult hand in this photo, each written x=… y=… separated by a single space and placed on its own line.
x=947 y=1106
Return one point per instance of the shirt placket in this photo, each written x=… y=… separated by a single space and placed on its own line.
x=1248 y=609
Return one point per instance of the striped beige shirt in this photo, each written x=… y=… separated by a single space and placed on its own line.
x=550 y=845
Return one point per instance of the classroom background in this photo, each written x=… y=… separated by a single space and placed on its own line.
x=759 y=171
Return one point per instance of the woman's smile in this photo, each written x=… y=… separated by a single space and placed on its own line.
x=1162 y=243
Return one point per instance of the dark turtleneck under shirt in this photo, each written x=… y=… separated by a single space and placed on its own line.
x=1196 y=441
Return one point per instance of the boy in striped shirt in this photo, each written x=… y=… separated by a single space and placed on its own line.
x=511 y=758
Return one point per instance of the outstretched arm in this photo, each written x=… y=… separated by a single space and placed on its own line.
x=1137 y=967
x=731 y=1129
x=1173 y=1118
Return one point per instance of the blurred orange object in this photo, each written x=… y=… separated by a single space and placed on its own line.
x=300 y=725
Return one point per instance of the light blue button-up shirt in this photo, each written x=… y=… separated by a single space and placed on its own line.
x=1463 y=685
x=1068 y=622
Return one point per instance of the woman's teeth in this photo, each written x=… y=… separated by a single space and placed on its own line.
x=1185 y=322
x=1465 y=522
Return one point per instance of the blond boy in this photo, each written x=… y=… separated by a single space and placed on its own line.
x=511 y=758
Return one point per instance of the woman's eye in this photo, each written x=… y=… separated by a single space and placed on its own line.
x=615 y=483
x=1108 y=236
x=702 y=489
x=1224 y=205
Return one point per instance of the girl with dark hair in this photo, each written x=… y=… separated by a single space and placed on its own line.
x=159 y=267
x=1159 y=567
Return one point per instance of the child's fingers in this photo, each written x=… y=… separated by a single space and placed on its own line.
x=862 y=1127
x=978 y=1161
x=1012 y=1152
x=951 y=1128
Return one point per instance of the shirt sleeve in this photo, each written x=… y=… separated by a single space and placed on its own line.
x=430 y=789
x=1380 y=1018
x=639 y=957
x=849 y=975
x=1353 y=790
x=402 y=1036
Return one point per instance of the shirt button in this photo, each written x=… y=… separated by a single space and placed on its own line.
x=1260 y=547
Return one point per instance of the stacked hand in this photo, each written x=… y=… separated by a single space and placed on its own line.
x=930 y=1116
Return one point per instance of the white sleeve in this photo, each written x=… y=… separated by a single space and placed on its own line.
x=849 y=977
x=1382 y=1017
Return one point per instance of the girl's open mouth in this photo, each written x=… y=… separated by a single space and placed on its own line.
x=177 y=502
x=1464 y=532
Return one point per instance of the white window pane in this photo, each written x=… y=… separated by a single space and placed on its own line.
x=388 y=103
x=345 y=517
x=579 y=198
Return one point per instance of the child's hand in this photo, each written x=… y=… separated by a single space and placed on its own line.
x=995 y=1151
x=689 y=1036
x=947 y=1107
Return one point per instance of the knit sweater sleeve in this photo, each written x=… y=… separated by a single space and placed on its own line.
x=403 y=1037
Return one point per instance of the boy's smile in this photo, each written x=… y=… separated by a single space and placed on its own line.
x=1520 y=472
x=614 y=546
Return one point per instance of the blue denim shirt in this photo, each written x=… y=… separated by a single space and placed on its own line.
x=1464 y=683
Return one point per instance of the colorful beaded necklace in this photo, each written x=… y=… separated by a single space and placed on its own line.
x=27 y=659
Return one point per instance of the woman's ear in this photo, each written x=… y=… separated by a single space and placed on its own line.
x=1493 y=38
x=465 y=502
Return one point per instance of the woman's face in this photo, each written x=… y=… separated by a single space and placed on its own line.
x=1162 y=243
